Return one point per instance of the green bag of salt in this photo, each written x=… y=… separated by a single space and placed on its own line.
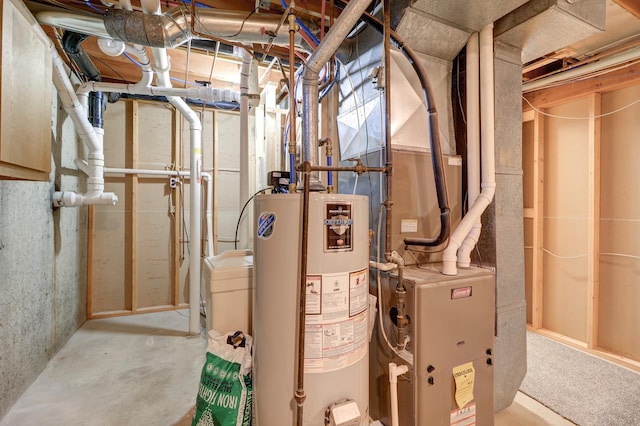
x=225 y=392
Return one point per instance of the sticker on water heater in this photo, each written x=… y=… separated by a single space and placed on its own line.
x=266 y=223
x=338 y=226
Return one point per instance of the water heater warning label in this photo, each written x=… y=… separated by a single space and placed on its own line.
x=338 y=225
x=337 y=327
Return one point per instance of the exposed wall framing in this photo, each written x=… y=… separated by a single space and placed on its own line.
x=138 y=249
x=582 y=214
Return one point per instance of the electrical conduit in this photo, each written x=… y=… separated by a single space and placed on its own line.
x=487 y=112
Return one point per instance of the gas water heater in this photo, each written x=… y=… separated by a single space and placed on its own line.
x=336 y=352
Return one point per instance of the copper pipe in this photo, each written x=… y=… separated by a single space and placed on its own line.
x=359 y=168
x=387 y=123
x=300 y=394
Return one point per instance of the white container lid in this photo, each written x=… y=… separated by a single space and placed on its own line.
x=231 y=264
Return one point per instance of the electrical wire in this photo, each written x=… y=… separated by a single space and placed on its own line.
x=91 y=6
x=584 y=255
x=235 y=240
x=580 y=118
x=244 y=21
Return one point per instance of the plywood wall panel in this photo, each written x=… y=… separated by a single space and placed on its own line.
x=228 y=133
x=114 y=135
x=155 y=135
x=619 y=320
x=565 y=224
x=109 y=269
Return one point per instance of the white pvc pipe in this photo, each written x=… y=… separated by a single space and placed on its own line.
x=265 y=74
x=487 y=116
x=619 y=59
x=394 y=372
x=473 y=146
x=245 y=71
x=163 y=79
x=92 y=138
x=204 y=93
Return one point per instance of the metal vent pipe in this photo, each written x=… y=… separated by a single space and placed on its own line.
x=310 y=93
x=173 y=28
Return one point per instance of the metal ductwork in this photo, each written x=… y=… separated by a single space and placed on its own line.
x=173 y=28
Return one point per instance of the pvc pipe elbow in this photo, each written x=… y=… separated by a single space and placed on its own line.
x=395 y=371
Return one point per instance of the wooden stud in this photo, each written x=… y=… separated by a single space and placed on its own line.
x=538 y=221
x=90 y=230
x=593 y=238
x=176 y=156
x=131 y=189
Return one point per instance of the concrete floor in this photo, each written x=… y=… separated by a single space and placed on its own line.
x=143 y=369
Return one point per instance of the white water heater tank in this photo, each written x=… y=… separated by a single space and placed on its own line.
x=337 y=288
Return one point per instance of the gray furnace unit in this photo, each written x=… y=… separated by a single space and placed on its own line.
x=450 y=354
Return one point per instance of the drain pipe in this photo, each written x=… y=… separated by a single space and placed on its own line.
x=487 y=112
x=245 y=71
x=163 y=79
x=473 y=147
x=310 y=93
x=92 y=138
x=394 y=372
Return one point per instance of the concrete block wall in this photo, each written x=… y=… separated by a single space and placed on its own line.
x=42 y=266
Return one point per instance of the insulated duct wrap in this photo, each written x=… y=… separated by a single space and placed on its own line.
x=146 y=29
x=173 y=28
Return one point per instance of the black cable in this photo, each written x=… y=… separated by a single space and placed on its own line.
x=243 y=22
x=235 y=239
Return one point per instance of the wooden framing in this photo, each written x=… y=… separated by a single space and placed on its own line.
x=593 y=245
x=591 y=90
x=176 y=155
x=577 y=344
x=537 y=214
x=131 y=189
x=618 y=79
x=90 y=231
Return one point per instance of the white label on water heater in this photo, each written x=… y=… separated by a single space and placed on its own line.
x=408 y=225
x=336 y=321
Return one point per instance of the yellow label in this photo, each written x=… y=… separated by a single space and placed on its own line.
x=464 y=376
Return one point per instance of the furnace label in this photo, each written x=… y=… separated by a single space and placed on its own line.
x=464 y=376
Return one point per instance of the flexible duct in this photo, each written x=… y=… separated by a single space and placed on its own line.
x=310 y=92
x=487 y=111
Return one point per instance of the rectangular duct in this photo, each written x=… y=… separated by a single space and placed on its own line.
x=544 y=26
